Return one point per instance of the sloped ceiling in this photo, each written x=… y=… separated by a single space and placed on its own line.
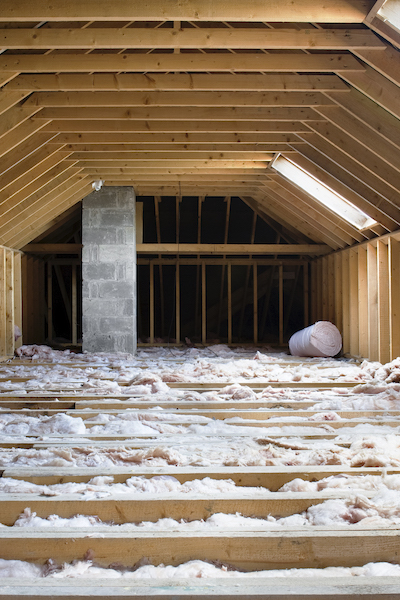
x=196 y=98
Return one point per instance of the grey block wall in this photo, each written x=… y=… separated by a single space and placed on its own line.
x=109 y=271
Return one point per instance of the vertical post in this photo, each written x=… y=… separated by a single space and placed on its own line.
x=9 y=302
x=229 y=273
x=325 y=287
x=314 y=291
x=394 y=297
x=177 y=306
x=18 y=295
x=372 y=273
x=306 y=295
x=281 y=305
x=331 y=288
x=203 y=304
x=49 y=301
x=151 y=303
x=346 y=300
x=383 y=302
x=74 y=307
x=353 y=283
x=338 y=292
x=3 y=318
x=362 y=302
x=255 y=303
x=139 y=222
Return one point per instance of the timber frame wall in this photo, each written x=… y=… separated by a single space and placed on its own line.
x=358 y=289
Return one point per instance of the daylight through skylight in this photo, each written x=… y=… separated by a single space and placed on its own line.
x=318 y=190
x=390 y=11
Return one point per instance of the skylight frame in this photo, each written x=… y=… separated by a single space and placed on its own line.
x=318 y=190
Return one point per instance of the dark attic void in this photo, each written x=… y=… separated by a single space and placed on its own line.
x=191 y=220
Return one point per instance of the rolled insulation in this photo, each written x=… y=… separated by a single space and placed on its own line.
x=321 y=339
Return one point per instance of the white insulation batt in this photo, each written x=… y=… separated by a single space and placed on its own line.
x=157 y=436
x=321 y=339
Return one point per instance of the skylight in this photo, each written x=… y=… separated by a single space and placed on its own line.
x=321 y=192
x=390 y=11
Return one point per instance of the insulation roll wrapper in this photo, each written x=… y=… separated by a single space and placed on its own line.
x=321 y=339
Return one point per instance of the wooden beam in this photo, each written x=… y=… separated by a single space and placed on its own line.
x=385 y=62
x=342 y=11
x=362 y=134
x=169 y=98
x=14 y=116
x=186 y=113
x=9 y=99
x=310 y=249
x=360 y=154
x=30 y=194
x=369 y=112
x=207 y=38
x=21 y=133
x=179 y=127
x=332 y=160
x=159 y=63
x=53 y=204
x=120 y=82
x=83 y=141
x=376 y=87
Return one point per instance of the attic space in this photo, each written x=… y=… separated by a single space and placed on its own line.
x=214 y=117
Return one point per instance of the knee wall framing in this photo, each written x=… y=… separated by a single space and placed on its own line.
x=358 y=289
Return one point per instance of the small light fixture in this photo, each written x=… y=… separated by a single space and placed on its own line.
x=321 y=192
x=97 y=185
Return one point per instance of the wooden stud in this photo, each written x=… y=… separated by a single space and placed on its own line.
x=306 y=299
x=3 y=303
x=394 y=297
x=151 y=307
x=139 y=222
x=338 y=320
x=363 y=302
x=280 y=305
x=177 y=304
x=353 y=306
x=255 y=305
x=372 y=272
x=18 y=295
x=383 y=302
x=346 y=300
x=203 y=304
x=49 y=301
x=74 y=301
x=9 y=282
x=229 y=284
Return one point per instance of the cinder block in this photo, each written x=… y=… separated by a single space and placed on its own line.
x=116 y=254
x=115 y=289
x=113 y=324
x=100 y=236
x=117 y=218
x=98 y=271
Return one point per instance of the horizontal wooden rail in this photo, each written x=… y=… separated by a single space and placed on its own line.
x=316 y=547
